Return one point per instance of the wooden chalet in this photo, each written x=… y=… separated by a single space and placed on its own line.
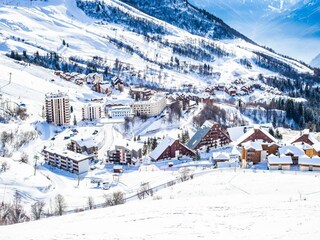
x=170 y=148
x=209 y=135
x=252 y=152
x=254 y=134
x=305 y=137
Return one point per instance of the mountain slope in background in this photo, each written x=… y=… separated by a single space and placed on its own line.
x=115 y=30
x=290 y=27
x=316 y=62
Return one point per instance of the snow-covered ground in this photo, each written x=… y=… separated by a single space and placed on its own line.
x=221 y=205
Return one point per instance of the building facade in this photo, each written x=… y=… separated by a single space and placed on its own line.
x=170 y=148
x=120 y=112
x=92 y=111
x=153 y=107
x=57 y=108
x=67 y=160
x=209 y=135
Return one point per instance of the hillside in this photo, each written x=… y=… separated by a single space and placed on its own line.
x=141 y=42
x=221 y=205
x=290 y=27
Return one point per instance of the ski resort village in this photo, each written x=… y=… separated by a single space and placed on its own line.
x=167 y=123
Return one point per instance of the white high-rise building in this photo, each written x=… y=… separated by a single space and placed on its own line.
x=92 y=111
x=57 y=108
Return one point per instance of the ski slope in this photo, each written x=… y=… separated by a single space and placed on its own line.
x=222 y=205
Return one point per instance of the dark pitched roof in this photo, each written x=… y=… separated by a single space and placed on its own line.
x=199 y=135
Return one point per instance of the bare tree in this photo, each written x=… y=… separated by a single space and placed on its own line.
x=4 y=214
x=17 y=213
x=115 y=198
x=24 y=158
x=37 y=209
x=4 y=166
x=90 y=203
x=184 y=174
x=144 y=191
x=60 y=204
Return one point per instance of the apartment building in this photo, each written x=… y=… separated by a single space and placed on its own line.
x=67 y=160
x=153 y=107
x=57 y=108
x=92 y=111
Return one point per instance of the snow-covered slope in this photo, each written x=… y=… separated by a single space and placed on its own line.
x=290 y=26
x=222 y=205
x=316 y=62
x=127 y=34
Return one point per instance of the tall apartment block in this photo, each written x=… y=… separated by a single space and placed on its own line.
x=57 y=108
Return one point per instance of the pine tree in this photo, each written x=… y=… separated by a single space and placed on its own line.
x=74 y=120
x=144 y=148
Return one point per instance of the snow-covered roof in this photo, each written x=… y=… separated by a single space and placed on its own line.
x=302 y=145
x=296 y=151
x=257 y=145
x=148 y=168
x=236 y=132
x=235 y=151
x=316 y=147
x=156 y=153
x=78 y=157
x=86 y=137
x=252 y=131
x=272 y=159
x=305 y=160
x=310 y=137
x=220 y=156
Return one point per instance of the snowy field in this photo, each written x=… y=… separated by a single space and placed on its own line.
x=221 y=205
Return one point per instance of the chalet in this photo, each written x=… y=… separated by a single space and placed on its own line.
x=254 y=134
x=140 y=93
x=117 y=83
x=292 y=151
x=209 y=135
x=94 y=78
x=305 y=137
x=279 y=162
x=58 y=73
x=309 y=164
x=252 y=152
x=232 y=91
x=170 y=148
x=102 y=87
x=68 y=160
x=221 y=87
x=245 y=90
x=209 y=90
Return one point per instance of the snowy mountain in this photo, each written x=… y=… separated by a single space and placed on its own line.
x=291 y=27
x=316 y=62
